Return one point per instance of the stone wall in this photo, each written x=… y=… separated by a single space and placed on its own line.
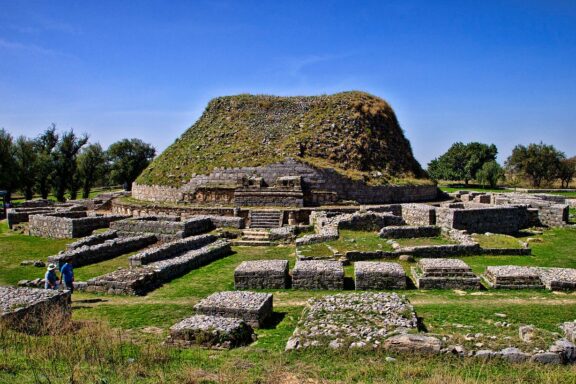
x=552 y=210
x=319 y=185
x=505 y=219
x=109 y=249
x=409 y=231
x=98 y=238
x=63 y=226
x=141 y=280
x=169 y=250
x=165 y=228
x=419 y=214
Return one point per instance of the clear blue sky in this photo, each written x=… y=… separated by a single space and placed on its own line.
x=501 y=72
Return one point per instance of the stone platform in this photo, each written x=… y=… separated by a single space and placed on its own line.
x=558 y=279
x=444 y=274
x=252 y=307
x=211 y=331
x=318 y=274
x=262 y=274
x=512 y=277
x=352 y=320
x=379 y=275
x=27 y=309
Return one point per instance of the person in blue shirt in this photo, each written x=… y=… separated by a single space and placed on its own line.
x=67 y=275
x=50 y=278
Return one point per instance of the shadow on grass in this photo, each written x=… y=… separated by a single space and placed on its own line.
x=275 y=319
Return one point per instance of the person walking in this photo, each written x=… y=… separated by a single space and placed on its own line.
x=50 y=278
x=67 y=275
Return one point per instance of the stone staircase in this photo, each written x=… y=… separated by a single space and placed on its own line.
x=254 y=237
x=265 y=219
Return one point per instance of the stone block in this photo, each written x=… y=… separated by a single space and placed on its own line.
x=379 y=275
x=262 y=274
x=211 y=331
x=318 y=274
x=444 y=274
x=512 y=277
x=252 y=307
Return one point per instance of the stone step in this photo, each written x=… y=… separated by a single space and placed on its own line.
x=264 y=226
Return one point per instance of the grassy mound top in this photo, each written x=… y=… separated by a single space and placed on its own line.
x=355 y=133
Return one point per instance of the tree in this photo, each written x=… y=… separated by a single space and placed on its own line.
x=91 y=165
x=8 y=180
x=566 y=171
x=462 y=161
x=128 y=158
x=490 y=173
x=45 y=144
x=65 y=167
x=539 y=162
x=26 y=165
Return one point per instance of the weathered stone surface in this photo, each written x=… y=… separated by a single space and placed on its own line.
x=252 y=307
x=526 y=333
x=566 y=349
x=98 y=238
x=444 y=274
x=419 y=214
x=170 y=249
x=379 y=275
x=569 y=329
x=558 y=279
x=70 y=224
x=406 y=231
x=27 y=309
x=352 y=320
x=547 y=358
x=166 y=228
x=140 y=280
x=512 y=277
x=211 y=331
x=485 y=354
x=514 y=355
x=262 y=274
x=417 y=344
x=109 y=249
x=502 y=219
x=318 y=274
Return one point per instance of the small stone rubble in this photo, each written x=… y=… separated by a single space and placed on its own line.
x=318 y=274
x=444 y=274
x=512 y=277
x=141 y=280
x=558 y=279
x=379 y=275
x=252 y=307
x=262 y=274
x=26 y=309
x=170 y=250
x=353 y=320
x=109 y=249
x=211 y=331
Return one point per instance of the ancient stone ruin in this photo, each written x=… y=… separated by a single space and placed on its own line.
x=262 y=274
x=254 y=308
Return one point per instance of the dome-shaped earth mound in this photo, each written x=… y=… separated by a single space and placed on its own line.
x=354 y=133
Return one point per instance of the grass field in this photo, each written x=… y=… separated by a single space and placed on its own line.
x=119 y=339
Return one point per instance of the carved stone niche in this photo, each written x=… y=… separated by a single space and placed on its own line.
x=289 y=182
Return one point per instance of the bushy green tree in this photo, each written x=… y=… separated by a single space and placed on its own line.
x=567 y=171
x=462 y=161
x=26 y=157
x=91 y=166
x=45 y=144
x=490 y=173
x=65 y=167
x=8 y=166
x=128 y=158
x=538 y=162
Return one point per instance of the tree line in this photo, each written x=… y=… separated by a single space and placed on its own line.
x=67 y=163
x=540 y=164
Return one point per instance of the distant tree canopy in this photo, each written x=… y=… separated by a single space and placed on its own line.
x=128 y=158
x=462 y=161
x=66 y=163
x=490 y=173
x=540 y=163
x=567 y=171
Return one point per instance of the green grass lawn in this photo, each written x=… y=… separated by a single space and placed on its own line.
x=497 y=241
x=421 y=241
x=120 y=337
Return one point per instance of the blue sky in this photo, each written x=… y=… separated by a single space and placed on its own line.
x=501 y=72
